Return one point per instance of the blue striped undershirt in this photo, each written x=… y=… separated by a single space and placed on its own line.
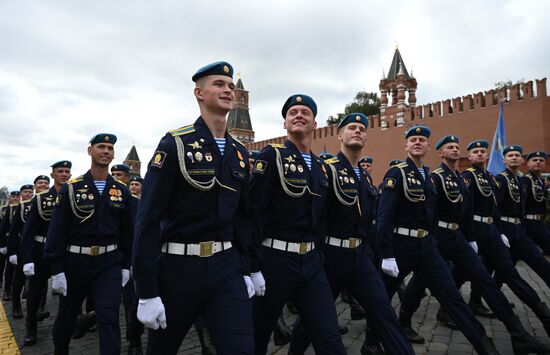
x=423 y=173
x=307 y=158
x=100 y=185
x=357 y=172
x=221 y=144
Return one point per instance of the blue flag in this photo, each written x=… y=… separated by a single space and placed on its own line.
x=496 y=160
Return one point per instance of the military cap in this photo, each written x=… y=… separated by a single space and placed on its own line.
x=27 y=187
x=354 y=117
x=299 y=99
x=121 y=167
x=478 y=143
x=447 y=139
x=512 y=148
x=537 y=154
x=366 y=159
x=62 y=164
x=137 y=178
x=395 y=162
x=103 y=138
x=216 y=68
x=326 y=156
x=15 y=193
x=41 y=177
x=418 y=131
x=253 y=154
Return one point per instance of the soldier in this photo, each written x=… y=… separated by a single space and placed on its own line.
x=456 y=243
x=14 y=238
x=121 y=172
x=88 y=247
x=326 y=156
x=489 y=239
x=288 y=193
x=535 y=201
x=32 y=244
x=366 y=163
x=135 y=185
x=407 y=217
x=193 y=231
x=351 y=209
x=15 y=197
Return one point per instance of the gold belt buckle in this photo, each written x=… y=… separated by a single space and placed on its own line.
x=517 y=220
x=303 y=248
x=422 y=233
x=94 y=250
x=206 y=249
x=454 y=226
x=489 y=220
x=352 y=243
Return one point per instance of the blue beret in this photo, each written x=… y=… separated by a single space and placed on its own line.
x=120 y=167
x=537 y=154
x=62 y=164
x=253 y=154
x=41 y=177
x=512 y=148
x=299 y=99
x=326 y=156
x=395 y=162
x=479 y=143
x=445 y=140
x=418 y=131
x=103 y=138
x=354 y=117
x=27 y=187
x=137 y=178
x=216 y=68
x=367 y=159
x=15 y=193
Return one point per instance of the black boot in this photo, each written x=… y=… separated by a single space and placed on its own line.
x=292 y=307
x=206 y=342
x=522 y=341
x=282 y=333
x=343 y=329
x=401 y=291
x=371 y=345
x=134 y=348
x=445 y=320
x=7 y=295
x=83 y=324
x=543 y=314
x=356 y=311
x=16 y=311
x=346 y=296
x=477 y=306
x=42 y=314
x=486 y=347
x=30 y=337
x=410 y=333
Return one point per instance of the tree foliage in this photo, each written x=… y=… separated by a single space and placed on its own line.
x=364 y=102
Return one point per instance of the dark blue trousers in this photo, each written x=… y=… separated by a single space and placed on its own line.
x=213 y=287
x=134 y=328
x=453 y=247
x=101 y=276
x=302 y=279
x=421 y=256
x=38 y=285
x=539 y=233
x=354 y=270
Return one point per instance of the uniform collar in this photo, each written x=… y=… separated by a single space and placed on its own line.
x=448 y=170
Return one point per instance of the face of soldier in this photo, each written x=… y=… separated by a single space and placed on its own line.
x=14 y=199
x=353 y=136
x=536 y=164
x=478 y=155
x=102 y=154
x=450 y=151
x=366 y=166
x=513 y=159
x=26 y=194
x=41 y=185
x=299 y=120
x=417 y=146
x=216 y=93
x=122 y=176
x=61 y=175
x=135 y=188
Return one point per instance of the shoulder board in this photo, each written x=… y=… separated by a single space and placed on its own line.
x=76 y=179
x=471 y=169
x=401 y=165
x=119 y=181
x=236 y=140
x=43 y=192
x=438 y=171
x=332 y=161
x=504 y=173
x=182 y=130
x=276 y=145
x=26 y=201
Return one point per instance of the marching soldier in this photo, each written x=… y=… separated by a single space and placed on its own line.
x=288 y=193
x=6 y=267
x=88 y=247
x=351 y=210
x=407 y=217
x=121 y=172
x=366 y=163
x=457 y=244
x=135 y=185
x=326 y=156
x=535 y=201
x=193 y=232
x=32 y=245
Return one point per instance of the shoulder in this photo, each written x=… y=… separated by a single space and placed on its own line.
x=182 y=131
x=76 y=180
x=332 y=161
x=438 y=171
x=239 y=143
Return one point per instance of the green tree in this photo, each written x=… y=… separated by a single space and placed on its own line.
x=367 y=103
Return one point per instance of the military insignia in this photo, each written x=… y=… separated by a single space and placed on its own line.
x=158 y=159
x=341 y=180
x=418 y=130
x=242 y=164
x=83 y=196
x=298 y=99
x=324 y=169
x=259 y=166
x=225 y=69
x=286 y=168
x=290 y=159
x=478 y=144
x=208 y=156
x=239 y=155
x=352 y=180
x=190 y=156
x=357 y=118
x=58 y=197
x=195 y=145
x=292 y=167
x=115 y=194
x=300 y=168
x=106 y=138
x=198 y=156
x=346 y=179
x=90 y=197
x=389 y=183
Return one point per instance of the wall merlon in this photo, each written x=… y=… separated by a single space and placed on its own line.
x=541 y=87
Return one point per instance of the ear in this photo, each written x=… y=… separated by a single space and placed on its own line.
x=314 y=124
x=198 y=93
x=284 y=124
x=90 y=150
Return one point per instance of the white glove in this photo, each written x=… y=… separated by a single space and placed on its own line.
x=28 y=269
x=151 y=313
x=59 y=283
x=3 y=251
x=125 y=276
x=505 y=240
x=259 y=283
x=389 y=267
x=13 y=259
x=249 y=286
x=474 y=246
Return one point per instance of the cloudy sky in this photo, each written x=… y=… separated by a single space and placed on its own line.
x=70 y=69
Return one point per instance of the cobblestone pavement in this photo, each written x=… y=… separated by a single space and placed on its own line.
x=440 y=340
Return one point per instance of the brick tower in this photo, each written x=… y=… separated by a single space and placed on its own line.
x=132 y=160
x=238 y=120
